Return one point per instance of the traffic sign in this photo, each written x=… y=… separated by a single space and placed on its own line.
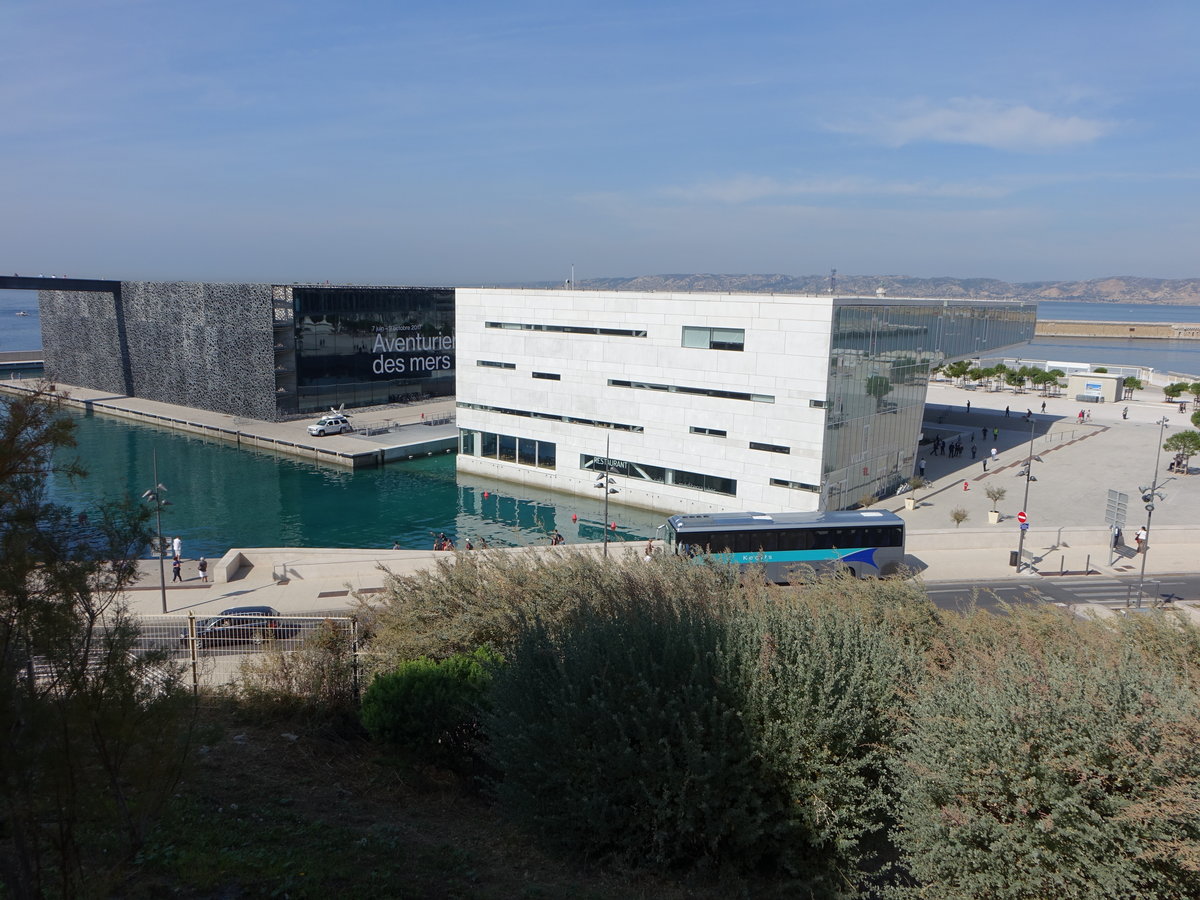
x=1022 y=518
x=1024 y=526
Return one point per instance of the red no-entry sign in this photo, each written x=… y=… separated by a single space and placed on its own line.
x=1022 y=518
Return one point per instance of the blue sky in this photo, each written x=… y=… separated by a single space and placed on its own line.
x=478 y=143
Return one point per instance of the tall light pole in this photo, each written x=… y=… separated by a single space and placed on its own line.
x=605 y=482
x=1025 y=503
x=1149 y=495
x=155 y=496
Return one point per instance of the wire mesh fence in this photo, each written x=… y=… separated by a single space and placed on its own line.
x=216 y=650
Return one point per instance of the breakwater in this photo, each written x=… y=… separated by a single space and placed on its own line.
x=1188 y=331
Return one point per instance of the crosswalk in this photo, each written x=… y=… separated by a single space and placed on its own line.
x=1115 y=593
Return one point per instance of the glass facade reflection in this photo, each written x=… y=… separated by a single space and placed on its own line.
x=880 y=358
x=365 y=346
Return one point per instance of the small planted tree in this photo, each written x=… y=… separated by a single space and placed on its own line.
x=995 y=493
x=915 y=484
x=1184 y=442
x=1131 y=384
x=958 y=515
x=1174 y=390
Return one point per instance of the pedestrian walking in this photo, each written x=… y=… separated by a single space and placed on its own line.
x=1081 y=417
x=983 y=433
x=1140 y=539
x=202 y=568
x=177 y=547
x=1043 y=407
x=1125 y=413
x=995 y=453
x=177 y=570
x=1006 y=412
x=921 y=467
x=995 y=434
x=1088 y=417
x=972 y=449
x=968 y=406
x=985 y=459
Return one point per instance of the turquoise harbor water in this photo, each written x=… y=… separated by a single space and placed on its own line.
x=224 y=497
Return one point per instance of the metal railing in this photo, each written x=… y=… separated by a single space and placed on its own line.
x=216 y=650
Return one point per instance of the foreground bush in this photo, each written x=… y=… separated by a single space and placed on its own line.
x=319 y=679
x=479 y=599
x=737 y=735
x=1051 y=761
x=432 y=708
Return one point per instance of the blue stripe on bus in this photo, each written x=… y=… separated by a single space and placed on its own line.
x=862 y=554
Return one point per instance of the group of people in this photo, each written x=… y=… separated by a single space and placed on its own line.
x=1085 y=415
x=177 y=562
x=942 y=448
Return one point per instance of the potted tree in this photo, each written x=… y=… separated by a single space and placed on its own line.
x=995 y=493
x=914 y=483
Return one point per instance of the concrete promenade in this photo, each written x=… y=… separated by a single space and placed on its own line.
x=382 y=433
x=1066 y=506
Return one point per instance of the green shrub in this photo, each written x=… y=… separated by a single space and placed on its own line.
x=620 y=736
x=1060 y=767
x=318 y=681
x=736 y=736
x=431 y=708
x=479 y=599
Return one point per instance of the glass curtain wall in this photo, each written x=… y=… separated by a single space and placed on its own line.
x=880 y=360
x=365 y=346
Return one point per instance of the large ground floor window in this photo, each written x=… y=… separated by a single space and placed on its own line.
x=507 y=448
x=693 y=480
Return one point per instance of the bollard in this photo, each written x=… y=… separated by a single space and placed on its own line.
x=1062 y=560
x=1087 y=568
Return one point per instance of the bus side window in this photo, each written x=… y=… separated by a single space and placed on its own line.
x=897 y=537
x=767 y=541
x=822 y=539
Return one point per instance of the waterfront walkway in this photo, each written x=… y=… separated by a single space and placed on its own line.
x=1066 y=509
x=382 y=433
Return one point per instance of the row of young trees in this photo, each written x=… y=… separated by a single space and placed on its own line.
x=1177 y=389
x=964 y=371
x=92 y=735
x=1047 y=381
x=842 y=738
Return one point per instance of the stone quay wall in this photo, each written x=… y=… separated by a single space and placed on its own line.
x=1161 y=331
x=203 y=345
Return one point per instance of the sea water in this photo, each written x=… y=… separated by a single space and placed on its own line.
x=222 y=497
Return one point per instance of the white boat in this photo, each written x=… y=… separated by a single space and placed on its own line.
x=21 y=312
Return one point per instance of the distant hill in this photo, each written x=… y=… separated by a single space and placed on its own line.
x=1117 y=289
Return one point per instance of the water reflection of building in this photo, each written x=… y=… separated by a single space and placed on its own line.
x=708 y=401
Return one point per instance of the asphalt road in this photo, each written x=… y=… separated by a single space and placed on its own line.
x=1116 y=592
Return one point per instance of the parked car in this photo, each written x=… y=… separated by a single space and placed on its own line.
x=241 y=625
x=330 y=425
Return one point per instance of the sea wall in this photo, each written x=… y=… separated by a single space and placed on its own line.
x=1160 y=331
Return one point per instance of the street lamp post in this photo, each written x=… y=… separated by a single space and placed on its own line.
x=1025 y=503
x=155 y=496
x=606 y=482
x=1148 y=497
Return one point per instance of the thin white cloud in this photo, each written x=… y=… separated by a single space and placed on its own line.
x=981 y=122
x=757 y=188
